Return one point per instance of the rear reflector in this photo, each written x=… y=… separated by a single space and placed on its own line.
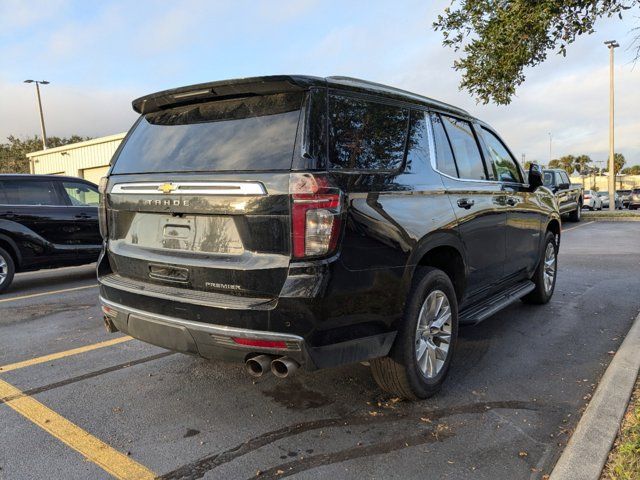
x=254 y=342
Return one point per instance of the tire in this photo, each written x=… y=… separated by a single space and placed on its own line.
x=543 y=292
x=399 y=373
x=7 y=269
x=576 y=214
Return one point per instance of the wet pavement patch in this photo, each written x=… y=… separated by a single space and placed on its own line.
x=295 y=396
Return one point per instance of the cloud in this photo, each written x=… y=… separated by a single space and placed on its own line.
x=99 y=58
x=68 y=111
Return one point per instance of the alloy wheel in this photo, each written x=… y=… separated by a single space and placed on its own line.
x=4 y=270
x=433 y=334
x=549 y=267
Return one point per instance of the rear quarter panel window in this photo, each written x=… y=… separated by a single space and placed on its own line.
x=253 y=133
x=418 y=143
x=365 y=135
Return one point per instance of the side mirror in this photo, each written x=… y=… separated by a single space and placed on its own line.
x=564 y=186
x=535 y=176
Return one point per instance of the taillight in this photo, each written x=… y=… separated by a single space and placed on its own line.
x=315 y=215
x=587 y=197
x=102 y=208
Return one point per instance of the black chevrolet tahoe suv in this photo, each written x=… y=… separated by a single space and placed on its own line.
x=46 y=221
x=294 y=221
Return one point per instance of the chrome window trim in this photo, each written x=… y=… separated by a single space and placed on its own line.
x=432 y=152
x=191 y=188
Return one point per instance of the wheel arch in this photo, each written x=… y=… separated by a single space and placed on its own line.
x=10 y=246
x=443 y=250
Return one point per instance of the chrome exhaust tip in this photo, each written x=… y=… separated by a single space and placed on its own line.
x=283 y=367
x=258 y=365
x=109 y=325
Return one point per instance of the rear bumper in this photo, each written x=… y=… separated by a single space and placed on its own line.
x=216 y=342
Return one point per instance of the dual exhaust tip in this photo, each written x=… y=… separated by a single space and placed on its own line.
x=281 y=367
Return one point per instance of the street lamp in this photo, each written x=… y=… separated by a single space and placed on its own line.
x=611 y=44
x=44 y=132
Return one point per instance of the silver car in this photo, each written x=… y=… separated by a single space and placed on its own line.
x=591 y=200
x=604 y=196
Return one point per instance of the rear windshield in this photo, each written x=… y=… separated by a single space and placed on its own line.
x=252 y=133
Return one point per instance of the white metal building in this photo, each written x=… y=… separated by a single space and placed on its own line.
x=88 y=160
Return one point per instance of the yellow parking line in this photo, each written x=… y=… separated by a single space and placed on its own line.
x=66 y=353
x=106 y=457
x=46 y=293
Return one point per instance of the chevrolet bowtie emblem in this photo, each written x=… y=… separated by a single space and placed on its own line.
x=167 y=188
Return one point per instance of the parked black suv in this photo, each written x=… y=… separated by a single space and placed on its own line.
x=46 y=221
x=297 y=221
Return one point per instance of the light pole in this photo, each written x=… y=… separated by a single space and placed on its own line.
x=611 y=44
x=550 y=137
x=44 y=132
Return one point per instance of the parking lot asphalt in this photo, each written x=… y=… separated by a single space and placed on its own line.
x=517 y=387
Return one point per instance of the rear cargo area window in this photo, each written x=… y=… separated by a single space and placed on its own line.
x=366 y=135
x=251 y=133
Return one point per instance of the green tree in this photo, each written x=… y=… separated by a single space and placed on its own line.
x=13 y=153
x=581 y=164
x=499 y=38
x=618 y=162
x=632 y=170
x=566 y=162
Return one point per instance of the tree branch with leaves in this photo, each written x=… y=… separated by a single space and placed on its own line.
x=499 y=38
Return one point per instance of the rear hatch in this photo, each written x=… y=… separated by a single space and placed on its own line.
x=198 y=199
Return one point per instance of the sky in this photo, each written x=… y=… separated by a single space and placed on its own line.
x=99 y=56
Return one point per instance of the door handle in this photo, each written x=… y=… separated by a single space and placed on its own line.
x=9 y=215
x=466 y=203
x=82 y=216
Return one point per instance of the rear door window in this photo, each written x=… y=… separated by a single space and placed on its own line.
x=465 y=148
x=366 y=135
x=28 y=192
x=252 y=133
x=502 y=163
x=444 y=155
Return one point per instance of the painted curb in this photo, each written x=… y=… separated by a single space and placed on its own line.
x=588 y=449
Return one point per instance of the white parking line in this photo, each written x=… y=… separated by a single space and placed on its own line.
x=577 y=226
x=22 y=297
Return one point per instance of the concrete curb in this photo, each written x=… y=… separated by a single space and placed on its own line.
x=617 y=216
x=600 y=218
x=589 y=446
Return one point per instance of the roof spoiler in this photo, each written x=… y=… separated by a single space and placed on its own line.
x=204 y=92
